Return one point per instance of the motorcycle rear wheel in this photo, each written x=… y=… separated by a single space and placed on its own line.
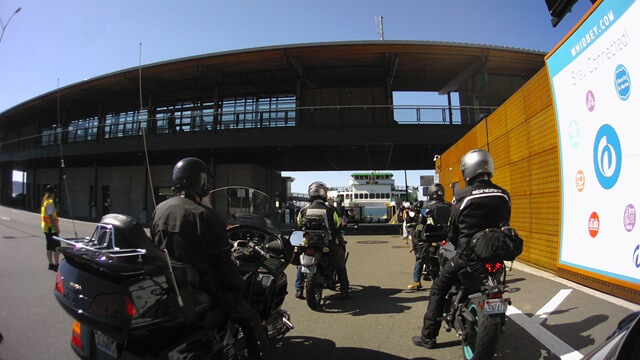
x=482 y=336
x=313 y=288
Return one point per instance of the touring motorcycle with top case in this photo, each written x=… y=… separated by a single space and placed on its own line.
x=130 y=301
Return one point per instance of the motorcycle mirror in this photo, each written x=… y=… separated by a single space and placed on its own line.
x=296 y=238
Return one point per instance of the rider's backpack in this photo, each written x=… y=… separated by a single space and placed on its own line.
x=313 y=222
x=315 y=227
x=496 y=244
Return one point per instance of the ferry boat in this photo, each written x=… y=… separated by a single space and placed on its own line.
x=372 y=197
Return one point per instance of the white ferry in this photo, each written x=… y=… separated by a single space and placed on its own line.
x=373 y=196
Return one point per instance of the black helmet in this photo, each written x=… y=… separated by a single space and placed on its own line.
x=192 y=175
x=435 y=191
x=318 y=190
x=50 y=189
x=474 y=163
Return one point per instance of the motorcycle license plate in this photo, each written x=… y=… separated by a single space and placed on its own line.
x=495 y=306
x=106 y=344
x=309 y=270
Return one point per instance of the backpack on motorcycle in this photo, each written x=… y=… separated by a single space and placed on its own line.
x=497 y=244
x=315 y=229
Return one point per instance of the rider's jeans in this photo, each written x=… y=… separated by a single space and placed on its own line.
x=417 y=271
x=299 y=284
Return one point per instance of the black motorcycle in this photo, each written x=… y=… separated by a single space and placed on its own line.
x=130 y=301
x=426 y=247
x=475 y=307
x=312 y=254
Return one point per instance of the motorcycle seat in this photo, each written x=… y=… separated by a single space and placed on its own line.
x=212 y=316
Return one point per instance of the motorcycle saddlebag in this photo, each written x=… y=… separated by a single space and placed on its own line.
x=497 y=244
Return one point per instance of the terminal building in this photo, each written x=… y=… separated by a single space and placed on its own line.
x=251 y=114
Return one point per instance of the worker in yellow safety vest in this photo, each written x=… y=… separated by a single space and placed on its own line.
x=50 y=226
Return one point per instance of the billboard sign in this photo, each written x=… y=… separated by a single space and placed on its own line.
x=426 y=180
x=595 y=79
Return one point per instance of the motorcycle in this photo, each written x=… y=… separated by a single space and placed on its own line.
x=129 y=300
x=312 y=248
x=475 y=307
x=427 y=248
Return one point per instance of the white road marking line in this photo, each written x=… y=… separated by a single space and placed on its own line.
x=595 y=293
x=551 y=305
x=550 y=341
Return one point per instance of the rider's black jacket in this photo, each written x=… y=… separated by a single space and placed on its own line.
x=196 y=235
x=477 y=207
x=440 y=211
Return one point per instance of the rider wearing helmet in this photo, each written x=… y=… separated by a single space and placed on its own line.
x=437 y=207
x=437 y=214
x=318 y=197
x=480 y=205
x=193 y=233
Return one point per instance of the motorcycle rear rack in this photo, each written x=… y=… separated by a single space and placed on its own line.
x=102 y=242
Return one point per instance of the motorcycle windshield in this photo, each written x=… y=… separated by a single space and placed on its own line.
x=238 y=205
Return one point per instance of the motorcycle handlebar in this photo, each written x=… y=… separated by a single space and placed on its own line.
x=255 y=248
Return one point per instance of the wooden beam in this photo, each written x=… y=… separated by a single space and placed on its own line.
x=463 y=76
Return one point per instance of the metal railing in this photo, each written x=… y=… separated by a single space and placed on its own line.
x=320 y=116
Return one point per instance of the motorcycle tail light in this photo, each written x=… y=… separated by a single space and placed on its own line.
x=310 y=252
x=60 y=283
x=495 y=296
x=493 y=267
x=113 y=306
x=443 y=243
x=76 y=339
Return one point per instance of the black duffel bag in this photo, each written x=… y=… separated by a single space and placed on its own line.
x=496 y=244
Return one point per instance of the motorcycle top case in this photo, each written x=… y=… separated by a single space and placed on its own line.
x=497 y=244
x=120 y=295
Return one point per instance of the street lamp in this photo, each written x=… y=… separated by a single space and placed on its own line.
x=4 y=26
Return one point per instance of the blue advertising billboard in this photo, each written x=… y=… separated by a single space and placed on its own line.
x=595 y=79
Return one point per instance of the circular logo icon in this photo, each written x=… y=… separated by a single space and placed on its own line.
x=591 y=101
x=623 y=82
x=607 y=156
x=594 y=224
x=629 y=218
x=580 y=181
x=636 y=256
x=574 y=133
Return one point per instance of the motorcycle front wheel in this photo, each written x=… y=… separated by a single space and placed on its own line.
x=482 y=335
x=313 y=288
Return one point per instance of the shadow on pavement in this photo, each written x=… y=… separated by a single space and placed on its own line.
x=572 y=332
x=366 y=300
x=514 y=280
x=311 y=348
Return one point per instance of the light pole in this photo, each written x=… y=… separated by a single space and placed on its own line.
x=4 y=26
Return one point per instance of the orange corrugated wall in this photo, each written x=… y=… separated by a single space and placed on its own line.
x=522 y=137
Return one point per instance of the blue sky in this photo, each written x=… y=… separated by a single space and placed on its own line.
x=69 y=41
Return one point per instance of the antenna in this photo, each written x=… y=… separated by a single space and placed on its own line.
x=62 y=168
x=380 y=27
x=172 y=277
